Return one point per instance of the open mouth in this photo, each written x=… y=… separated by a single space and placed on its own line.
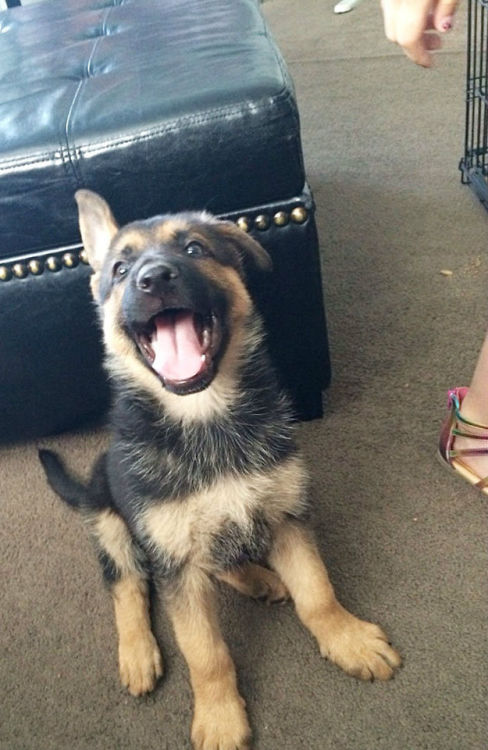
x=180 y=345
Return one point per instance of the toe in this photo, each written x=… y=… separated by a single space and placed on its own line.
x=140 y=666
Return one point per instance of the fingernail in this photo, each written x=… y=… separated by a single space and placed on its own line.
x=446 y=24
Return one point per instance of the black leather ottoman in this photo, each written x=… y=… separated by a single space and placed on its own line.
x=158 y=106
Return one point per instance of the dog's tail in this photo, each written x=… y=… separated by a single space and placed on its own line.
x=69 y=489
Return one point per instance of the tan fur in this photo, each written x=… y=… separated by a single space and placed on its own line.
x=97 y=226
x=359 y=647
x=113 y=536
x=185 y=528
x=219 y=719
x=139 y=657
x=124 y=361
x=140 y=660
x=166 y=231
x=255 y=581
x=136 y=239
x=247 y=243
x=94 y=284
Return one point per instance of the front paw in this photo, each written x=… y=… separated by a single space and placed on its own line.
x=140 y=663
x=267 y=586
x=221 y=726
x=360 y=648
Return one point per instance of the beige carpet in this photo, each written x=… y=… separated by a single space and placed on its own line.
x=405 y=542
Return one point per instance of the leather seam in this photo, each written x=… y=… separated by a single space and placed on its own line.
x=71 y=149
x=219 y=113
x=213 y=115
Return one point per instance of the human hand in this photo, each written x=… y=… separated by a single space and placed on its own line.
x=412 y=25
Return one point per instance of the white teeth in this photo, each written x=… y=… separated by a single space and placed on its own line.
x=206 y=337
x=203 y=358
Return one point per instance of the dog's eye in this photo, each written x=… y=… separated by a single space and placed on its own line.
x=195 y=250
x=120 y=269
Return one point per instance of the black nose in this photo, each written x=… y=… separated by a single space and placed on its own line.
x=154 y=276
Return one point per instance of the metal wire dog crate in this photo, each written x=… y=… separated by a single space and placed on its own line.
x=474 y=163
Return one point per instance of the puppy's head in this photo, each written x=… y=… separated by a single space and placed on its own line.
x=171 y=291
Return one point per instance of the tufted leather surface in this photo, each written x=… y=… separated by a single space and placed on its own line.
x=159 y=105
x=104 y=93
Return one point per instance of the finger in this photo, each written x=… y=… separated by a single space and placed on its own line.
x=390 y=10
x=412 y=21
x=417 y=52
x=429 y=25
x=421 y=52
x=406 y=23
x=432 y=42
x=444 y=14
x=398 y=13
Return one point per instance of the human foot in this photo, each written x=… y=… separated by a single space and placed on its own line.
x=463 y=443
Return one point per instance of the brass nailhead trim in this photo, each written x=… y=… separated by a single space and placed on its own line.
x=70 y=260
x=53 y=263
x=299 y=214
x=243 y=223
x=5 y=273
x=19 y=270
x=35 y=267
x=281 y=218
x=262 y=222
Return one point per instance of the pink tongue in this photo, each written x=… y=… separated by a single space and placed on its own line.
x=177 y=347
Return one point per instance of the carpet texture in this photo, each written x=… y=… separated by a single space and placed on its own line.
x=404 y=541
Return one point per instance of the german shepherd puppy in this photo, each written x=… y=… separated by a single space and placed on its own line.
x=203 y=479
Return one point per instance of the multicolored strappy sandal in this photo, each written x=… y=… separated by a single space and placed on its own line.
x=455 y=425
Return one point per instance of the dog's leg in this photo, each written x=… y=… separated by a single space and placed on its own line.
x=257 y=582
x=140 y=661
x=219 y=721
x=359 y=647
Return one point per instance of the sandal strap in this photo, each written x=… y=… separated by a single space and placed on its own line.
x=476 y=436
x=454 y=403
x=453 y=453
x=458 y=431
x=482 y=483
x=457 y=425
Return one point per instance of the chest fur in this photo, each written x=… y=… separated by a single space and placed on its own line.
x=231 y=520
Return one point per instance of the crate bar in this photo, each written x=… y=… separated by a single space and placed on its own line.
x=474 y=163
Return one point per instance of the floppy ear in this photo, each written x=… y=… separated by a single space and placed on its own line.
x=251 y=249
x=97 y=226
